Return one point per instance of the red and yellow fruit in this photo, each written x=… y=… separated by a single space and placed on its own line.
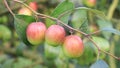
x=89 y=3
x=36 y=33
x=55 y=35
x=25 y=11
x=33 y=5
x=73 y=46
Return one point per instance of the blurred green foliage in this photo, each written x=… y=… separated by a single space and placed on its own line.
x=13 y=54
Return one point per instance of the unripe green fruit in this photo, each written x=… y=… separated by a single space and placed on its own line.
x=73 y=46
x=89 y=3
x=5 y=33
x=36 y=33
x=55 y=35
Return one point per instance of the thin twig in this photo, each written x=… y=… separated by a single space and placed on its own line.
x=61 y=15
x=103 y=50
x=98 y=31
x=6 y=4
x=55 y=19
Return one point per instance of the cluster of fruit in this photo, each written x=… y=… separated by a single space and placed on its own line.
x=55 y=35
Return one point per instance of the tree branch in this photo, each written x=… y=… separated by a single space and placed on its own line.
x=55 y=19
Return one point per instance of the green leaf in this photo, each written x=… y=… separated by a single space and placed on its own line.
x=1 y=66
x=99 y=64
x=20 y=48
x=112 y=30
x=22 y=63
x=3 y=58
x=21 y=22
x=79 y=20
x=8 y=63
x=84 y=27
x=89 y=50
x=102 y=43
x=105 y=24
x=96 y=12
x=62 y=8
x=60 y=63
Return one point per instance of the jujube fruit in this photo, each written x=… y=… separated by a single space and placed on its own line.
x=73 y=46
x=33 y=5
x=25 y=11
x=89 y=3
x=36 y=32
x=54 y=35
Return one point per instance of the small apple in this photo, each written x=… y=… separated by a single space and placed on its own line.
x=54 y=35
x=36 y=32
x=89 y=3
x=73 y=46
x=33 y=5
x=25 y=11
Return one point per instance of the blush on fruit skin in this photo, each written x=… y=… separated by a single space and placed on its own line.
x=73 y=46
x=55 y=35
x=33 y=5
x=92 y=2
x=89 y=3
x=25 y=11
x=36 y=32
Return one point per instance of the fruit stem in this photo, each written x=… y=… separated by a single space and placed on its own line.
x=98 y=31
x=66 y=12
x=98 y=55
